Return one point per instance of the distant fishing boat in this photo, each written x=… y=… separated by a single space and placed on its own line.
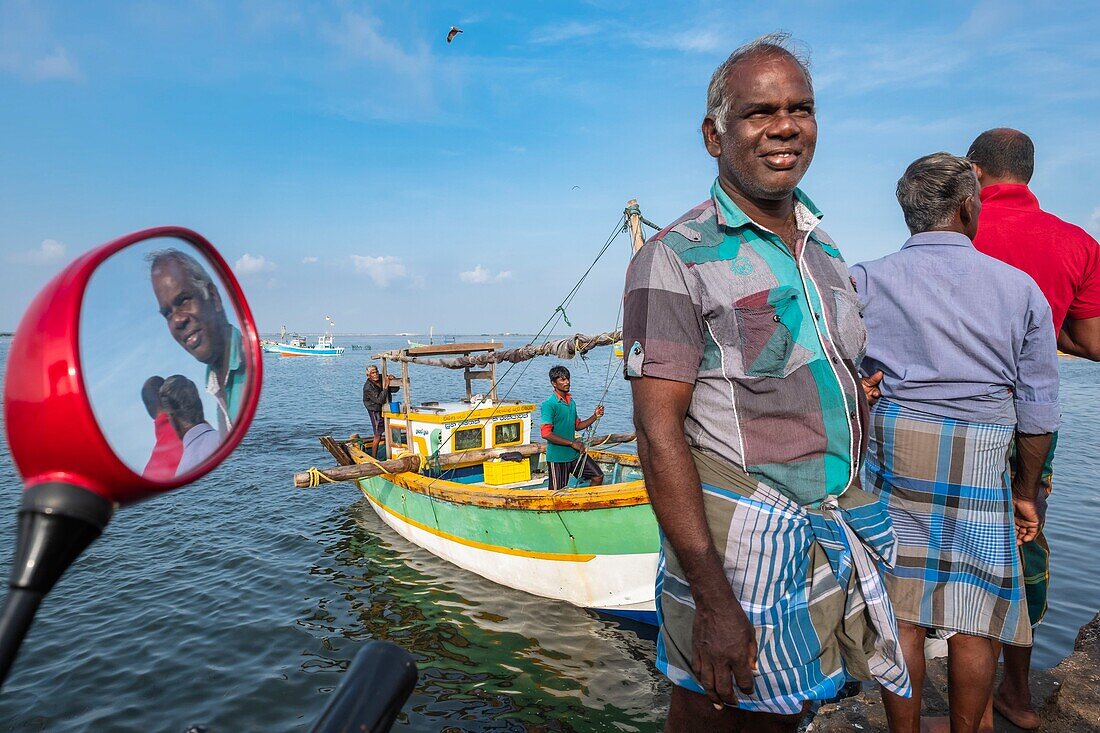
x=298 y=346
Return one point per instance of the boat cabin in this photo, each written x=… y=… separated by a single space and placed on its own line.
x=478 y=422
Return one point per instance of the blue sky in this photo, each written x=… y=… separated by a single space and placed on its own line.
x=353 y=164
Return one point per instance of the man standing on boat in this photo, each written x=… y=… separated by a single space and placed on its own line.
x=1064 y=261
x=743 y=332
x=192 y=307
x=565 y=455
x=376 y=395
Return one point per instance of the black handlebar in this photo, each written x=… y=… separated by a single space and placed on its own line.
x=376 y=685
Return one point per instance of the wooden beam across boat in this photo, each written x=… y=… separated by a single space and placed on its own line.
x=411 y=463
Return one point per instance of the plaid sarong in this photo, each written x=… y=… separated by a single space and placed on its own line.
x=946 y=486
x=809 y=585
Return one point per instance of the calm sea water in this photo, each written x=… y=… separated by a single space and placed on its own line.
x=237 y=602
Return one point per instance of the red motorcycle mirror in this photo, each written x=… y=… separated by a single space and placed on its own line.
x=135 y=371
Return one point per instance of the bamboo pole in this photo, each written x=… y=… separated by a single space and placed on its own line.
x=338 y=474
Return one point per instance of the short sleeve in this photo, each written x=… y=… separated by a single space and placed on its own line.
x=662 y=316
x=546 y=416
x=1086 y=301
x=1036 y=390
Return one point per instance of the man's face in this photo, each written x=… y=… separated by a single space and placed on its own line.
x=561 y=384
x=197 y=323
x=372 y=374
x=771 y=130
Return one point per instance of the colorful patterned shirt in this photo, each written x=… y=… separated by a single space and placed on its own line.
x=770 y=340
x=229 y=399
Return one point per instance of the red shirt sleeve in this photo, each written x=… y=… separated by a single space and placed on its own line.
x=547 y=428
x=1086 y=301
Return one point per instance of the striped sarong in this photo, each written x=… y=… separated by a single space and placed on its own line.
x=946 y=486
x=809 y=585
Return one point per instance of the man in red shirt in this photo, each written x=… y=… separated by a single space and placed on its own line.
x=1064 y=261
x=168 y=447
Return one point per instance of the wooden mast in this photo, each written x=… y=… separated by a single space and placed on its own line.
x=634 y=225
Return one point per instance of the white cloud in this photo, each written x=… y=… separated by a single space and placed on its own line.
x=48 y=252
x=309 y=260
x=55 y=65
x=253 y=264
x=383 y=269
x=29 y=48
x=481 y=276
x=564 y=32
x=693 y=41
x=1094 y=221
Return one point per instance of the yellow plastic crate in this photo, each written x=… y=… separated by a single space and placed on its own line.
x=507 y=472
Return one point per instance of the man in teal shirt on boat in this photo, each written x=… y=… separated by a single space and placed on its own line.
x=192 y=306
x=565 y=455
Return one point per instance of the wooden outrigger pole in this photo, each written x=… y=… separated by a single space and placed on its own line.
x=411 y=463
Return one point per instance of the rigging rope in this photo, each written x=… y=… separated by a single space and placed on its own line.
x=555 y=316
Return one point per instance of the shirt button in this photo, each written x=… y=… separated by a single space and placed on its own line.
x=775 y=318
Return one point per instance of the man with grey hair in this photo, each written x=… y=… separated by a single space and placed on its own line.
x=966 y=349
x=743 y=331
x=192 y=307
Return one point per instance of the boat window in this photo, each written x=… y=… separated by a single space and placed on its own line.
x=507 y=433
x=398 y=436
x=469 y=438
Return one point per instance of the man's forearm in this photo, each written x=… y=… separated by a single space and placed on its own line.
x=558 y=440
x=677 y=499
x=1081 y=338
x=1031 y=456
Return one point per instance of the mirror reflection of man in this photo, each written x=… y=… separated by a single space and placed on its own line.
x=180 y=398
x=192 y=306
x=167 y=448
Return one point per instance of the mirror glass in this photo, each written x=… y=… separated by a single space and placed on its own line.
x=163 y=359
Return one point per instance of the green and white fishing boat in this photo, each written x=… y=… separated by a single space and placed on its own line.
x=478 y=495
x=466 y=481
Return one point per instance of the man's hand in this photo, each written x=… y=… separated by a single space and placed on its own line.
x=871 y=388
x=1029 y=515
x=577 y=446
x=723 y=649
x=598 y=412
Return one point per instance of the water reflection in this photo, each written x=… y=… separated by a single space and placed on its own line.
x=160 y=341
x=489 y=657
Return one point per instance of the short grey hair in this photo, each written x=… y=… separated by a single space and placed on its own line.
x=933 y=188
x=719 y=102
x=196 y=273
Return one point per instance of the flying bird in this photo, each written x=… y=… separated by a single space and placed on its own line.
x=455 y=30
x=575 y=187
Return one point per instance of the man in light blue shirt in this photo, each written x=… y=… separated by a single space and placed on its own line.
x=965 y=349
x=180 y=398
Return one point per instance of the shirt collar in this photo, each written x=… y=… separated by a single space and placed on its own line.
x=1010 y=196
x=568 y=398
x=235 y=362
x=730 y=214
x=196 y=432
x=952 y=239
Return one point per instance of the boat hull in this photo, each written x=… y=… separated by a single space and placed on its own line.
x=285 y=350
x=603 y=557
